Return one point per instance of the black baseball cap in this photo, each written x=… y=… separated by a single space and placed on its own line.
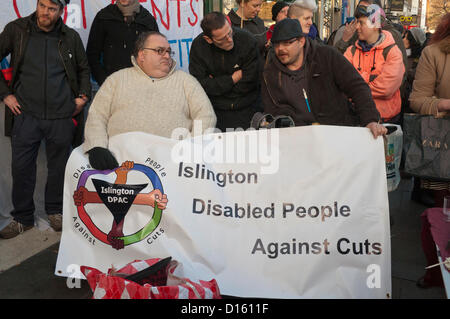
x=62 y=3
x=287 y=29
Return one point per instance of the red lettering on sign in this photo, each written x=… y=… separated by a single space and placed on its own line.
x=83 y=13
x=193 y=12
x=155 y=9
x=16 y=9
x=178 y=11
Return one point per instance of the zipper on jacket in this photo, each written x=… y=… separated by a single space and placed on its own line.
x=45 y=78
x=20 y=45
x=19 y=58
x=60 y=55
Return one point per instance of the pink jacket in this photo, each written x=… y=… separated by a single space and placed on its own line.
x=384 y=77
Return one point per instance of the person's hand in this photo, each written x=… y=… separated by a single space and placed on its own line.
x=156 y=197
x=376 y=129
x=12 y=103
x=444 y=105
x=124 y=168
x=79 y=104
x=237 y=76
x=79 y=196
x=122 y=172
x=349 y=30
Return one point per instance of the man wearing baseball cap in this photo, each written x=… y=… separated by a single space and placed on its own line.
x=44 y=101
x=313 y=83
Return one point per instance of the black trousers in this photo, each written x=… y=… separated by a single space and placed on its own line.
x=232 y=119
x=27 y=134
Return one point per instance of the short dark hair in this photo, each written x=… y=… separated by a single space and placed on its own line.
x=142 y=38
x=360 y=12
x=212 y=21
x=61 y=3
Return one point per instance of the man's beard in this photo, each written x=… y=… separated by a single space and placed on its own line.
x=45 y=21
x=288 y=60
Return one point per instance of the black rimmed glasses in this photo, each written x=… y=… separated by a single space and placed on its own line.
x=162 y=51
x=285 y=43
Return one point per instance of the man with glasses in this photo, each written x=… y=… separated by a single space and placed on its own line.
x=313 y=83
x=152 y=96
x=44 y=102
x=225 y=62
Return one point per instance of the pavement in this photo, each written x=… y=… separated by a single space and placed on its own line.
x=27 y=262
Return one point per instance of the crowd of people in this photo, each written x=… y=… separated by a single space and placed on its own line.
x=366 y=74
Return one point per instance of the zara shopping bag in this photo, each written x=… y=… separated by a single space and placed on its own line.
x=426 y=145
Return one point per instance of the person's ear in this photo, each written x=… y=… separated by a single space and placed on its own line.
x=61 y=11
x=208 y=39
x=140 y=56
x=302 y=41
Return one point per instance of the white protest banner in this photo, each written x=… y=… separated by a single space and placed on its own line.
x=296 y=212
x=179 y=20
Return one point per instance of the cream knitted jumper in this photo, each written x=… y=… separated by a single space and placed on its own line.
x=129 y=100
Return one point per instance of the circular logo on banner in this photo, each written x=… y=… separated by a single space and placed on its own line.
x=118 y=197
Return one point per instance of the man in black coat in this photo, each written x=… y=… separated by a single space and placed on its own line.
x=313 y=83
x=225 y=61
x=45 y=100
x=113 y=35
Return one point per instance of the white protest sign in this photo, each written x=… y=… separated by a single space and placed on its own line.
x=315 y=225
x=179 y=20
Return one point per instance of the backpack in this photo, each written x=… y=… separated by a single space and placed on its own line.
x=385 y=53
x=330 y=40
x=398 y=118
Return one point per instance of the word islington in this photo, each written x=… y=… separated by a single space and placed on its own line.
x=116 y=191
x=221 y=179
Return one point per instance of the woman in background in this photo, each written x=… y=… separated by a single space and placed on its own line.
x=246 y=17
x=431 y=90
x=431 y=95
x=414 y=40
x=279 y=12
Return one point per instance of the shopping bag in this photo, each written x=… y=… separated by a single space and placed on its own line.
x=147 y=279
x=426 y=146
x=393 y=155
